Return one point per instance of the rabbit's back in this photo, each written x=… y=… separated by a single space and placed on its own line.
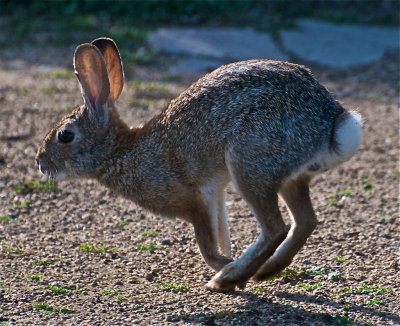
x=274 y=114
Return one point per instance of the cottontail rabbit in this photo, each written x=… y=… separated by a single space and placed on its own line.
x=267 y=126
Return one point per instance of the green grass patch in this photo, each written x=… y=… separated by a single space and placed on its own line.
x=258 y=290
x=148 y=86
x=45 y=262
x=109 y=292
x=148 y=247
x=51 y=90
x=13 y=250
x=40 y=305
x=6 y=219
x=345 y=192
x=149 y=233
x=375 y=302
x=332 y=201
x=64 y=74
x=22 y=91
x=340 y=259
x=122 y=299
x=121 y=224
x=364 y=289
x=5 y=323
x=308 y=286
x=57 y=290
x=21 y=205
x=96 y=249
x=36 y=277
x=36 y=186
x=372 y=289
x=174 y=287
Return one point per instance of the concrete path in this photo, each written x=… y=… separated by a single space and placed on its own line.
x=326 y=44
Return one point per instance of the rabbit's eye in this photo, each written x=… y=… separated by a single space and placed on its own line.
x=65 y=136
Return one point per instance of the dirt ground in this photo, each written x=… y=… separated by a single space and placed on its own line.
x=76 y=254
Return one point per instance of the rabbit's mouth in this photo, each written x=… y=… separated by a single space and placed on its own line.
x=51 y=173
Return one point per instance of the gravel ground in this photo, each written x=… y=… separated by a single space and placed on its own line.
x=76 y=254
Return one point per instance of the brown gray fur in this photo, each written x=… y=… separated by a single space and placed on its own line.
x=267 y=126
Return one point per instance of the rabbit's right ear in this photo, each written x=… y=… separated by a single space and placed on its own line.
x=91 y=71
x=113 y=62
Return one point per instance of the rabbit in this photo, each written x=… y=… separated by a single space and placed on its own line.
x=266 y=126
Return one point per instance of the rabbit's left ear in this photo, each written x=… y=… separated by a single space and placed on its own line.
x=91 y=71
x=113 y=61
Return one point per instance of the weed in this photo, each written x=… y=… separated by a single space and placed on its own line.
x=36 y=277
x=45 y=262
x=365 y=180
x=56 y=289
x=64 y=74
x=334 y=276
x=96 y=249
x=372 y=289
x=147 y=86
x=36 y=186
x=346 y=307
x=302 y=273
x=5 y=323
x=149 y=233
x=308 y=286
x=6 y=219
x=51 y=90
x=22 y=91
x=341 y=320
x=14 y=250
x=174 y=287
x=364 y=289
x=258 y=290
x=148 y=247
x=109 y=292
x=21 y=205
x=289 y=273
x=340 y=259
x=121 y=299
x=375 y=302
x=121 y=224
x=332 y=201
x=40 y=305
x=345 y=192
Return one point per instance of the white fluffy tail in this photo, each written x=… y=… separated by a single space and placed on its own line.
x=348 y=135
x=347 y=139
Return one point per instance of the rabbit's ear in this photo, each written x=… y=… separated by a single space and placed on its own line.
x=113 y=62
x=91 y=71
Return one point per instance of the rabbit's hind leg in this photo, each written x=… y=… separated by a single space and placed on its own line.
x=262 y=198
x=295 y=193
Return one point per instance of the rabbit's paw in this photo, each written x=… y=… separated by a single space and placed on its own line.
x=226 y=280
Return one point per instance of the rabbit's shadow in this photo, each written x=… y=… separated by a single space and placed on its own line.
x=262 y=311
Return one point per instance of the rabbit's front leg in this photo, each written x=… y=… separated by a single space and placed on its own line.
x=206 y=237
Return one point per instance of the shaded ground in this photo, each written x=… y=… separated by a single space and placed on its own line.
x=78 y=255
